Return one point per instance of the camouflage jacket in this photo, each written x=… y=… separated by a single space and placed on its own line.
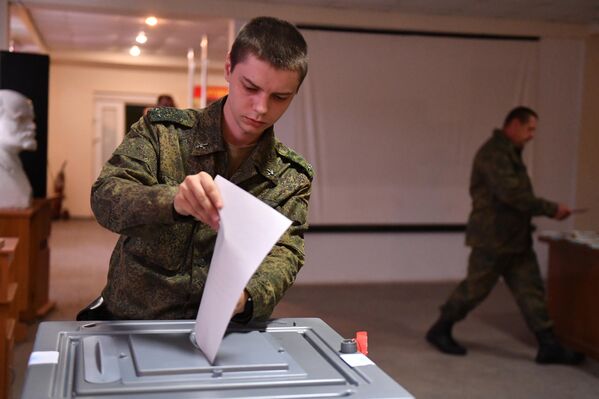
x=503 y=201
x=160 y=263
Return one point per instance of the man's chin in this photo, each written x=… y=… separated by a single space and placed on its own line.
x=253 y=131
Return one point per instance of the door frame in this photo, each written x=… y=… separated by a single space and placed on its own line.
x=116 y=101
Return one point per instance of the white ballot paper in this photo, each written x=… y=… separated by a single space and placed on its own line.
x=248 y=230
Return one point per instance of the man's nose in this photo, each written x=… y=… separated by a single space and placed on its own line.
x=261 y=104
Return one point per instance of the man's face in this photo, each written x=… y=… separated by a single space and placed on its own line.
x=17 y=129
x=521 y=133
x=259 y=94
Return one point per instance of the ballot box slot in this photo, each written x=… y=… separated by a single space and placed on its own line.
x=155 y=355
x=100 y=359
x=146 y=362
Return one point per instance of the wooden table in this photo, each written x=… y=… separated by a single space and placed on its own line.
x=573 y=293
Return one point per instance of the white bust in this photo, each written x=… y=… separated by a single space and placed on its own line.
x=17 y=133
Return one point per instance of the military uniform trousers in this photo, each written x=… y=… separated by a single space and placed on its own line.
x=520 y=272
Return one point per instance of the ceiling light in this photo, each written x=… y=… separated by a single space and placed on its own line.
x=152 y=21
x=141 y=37
x=134 y=51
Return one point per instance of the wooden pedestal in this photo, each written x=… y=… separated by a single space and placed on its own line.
x=32 y=257
x=8 y=312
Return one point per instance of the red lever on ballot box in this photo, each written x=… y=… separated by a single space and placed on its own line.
x=362 y=342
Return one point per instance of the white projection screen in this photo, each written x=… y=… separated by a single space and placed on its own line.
x=391 y=122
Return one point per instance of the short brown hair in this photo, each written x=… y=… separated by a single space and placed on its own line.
x=521 y=113
x=275 y=41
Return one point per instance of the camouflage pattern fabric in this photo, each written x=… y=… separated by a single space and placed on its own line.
x=503 y=201
x=521 y=274
x=159 y=266
x=500 y=232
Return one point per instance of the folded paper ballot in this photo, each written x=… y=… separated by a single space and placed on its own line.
x=248 y=230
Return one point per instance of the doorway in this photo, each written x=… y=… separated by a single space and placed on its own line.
x=113 y=115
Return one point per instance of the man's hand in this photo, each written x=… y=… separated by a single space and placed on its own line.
x=199 y=197
x=240 y=307
x=563 y=211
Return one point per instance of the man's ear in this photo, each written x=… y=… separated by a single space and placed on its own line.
x=228 y=67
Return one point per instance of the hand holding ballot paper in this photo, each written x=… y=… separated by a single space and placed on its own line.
x=248 y=230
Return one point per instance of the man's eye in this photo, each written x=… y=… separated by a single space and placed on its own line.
x=252 y=89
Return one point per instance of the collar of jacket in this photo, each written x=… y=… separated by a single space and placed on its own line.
x=500 y=137
x=208 y=139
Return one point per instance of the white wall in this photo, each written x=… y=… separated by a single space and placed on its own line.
x=71 y=117
x=377 y=257
x=587 y=195
x=555 y=154
x=383 y=257
x=345 y=257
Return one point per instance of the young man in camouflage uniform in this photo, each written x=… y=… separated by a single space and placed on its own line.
x=500 y=234
x=157 y=190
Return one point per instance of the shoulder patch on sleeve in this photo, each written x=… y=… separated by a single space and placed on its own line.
x=296 y=158
x=184 y=117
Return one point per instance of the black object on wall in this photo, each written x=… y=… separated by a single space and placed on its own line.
x=132 y=114
x=28 y=74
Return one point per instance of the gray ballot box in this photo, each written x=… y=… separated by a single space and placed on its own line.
x=285 y=358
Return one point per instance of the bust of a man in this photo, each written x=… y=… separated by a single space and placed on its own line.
x=17 y=133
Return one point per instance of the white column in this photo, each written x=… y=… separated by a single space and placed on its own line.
x=191 y=67
x=204 y=71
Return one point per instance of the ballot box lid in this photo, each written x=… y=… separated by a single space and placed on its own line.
x=285 y=358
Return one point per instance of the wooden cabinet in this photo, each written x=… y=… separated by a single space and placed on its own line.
x=573 y=294
x=32 y=257
x=8 y=312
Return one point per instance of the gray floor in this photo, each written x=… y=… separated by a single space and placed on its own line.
x=396 y=316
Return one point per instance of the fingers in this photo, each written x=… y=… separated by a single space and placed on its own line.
x=201 y=187
x=563 y=211
x=211 y=190
x=199 y=197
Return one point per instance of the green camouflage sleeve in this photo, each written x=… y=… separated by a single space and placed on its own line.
x=127 y=197
x=513 y=188
x=278 y=271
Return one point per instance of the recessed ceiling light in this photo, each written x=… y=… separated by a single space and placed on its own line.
x=134 y=51
x=141 y=37
x=152 y=21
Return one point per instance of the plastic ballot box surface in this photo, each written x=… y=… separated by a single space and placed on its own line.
x=285 y=358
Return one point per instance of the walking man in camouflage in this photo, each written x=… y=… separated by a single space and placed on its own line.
x=157 y=190
x=500 y=234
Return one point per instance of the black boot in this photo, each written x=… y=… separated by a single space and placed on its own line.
x=552 y=352
x=439 y=335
